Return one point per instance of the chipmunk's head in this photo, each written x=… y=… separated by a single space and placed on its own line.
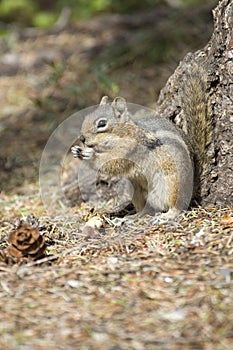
x=104 y=132
x=106 y=118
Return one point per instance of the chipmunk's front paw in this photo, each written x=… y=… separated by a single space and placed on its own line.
x=82 y=153
x=77 y=151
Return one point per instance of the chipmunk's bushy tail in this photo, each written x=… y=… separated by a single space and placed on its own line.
x=197 y=118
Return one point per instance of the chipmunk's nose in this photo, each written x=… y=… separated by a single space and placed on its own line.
x=82 y=138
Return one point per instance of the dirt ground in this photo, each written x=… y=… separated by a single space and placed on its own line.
x=131 y=286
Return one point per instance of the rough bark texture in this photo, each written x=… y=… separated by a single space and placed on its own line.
x=216 y=183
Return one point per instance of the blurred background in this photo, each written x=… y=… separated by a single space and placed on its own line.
x=42 y=13
x=60 y=56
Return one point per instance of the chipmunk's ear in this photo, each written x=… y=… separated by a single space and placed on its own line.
x=104 y=100
x=119 y=107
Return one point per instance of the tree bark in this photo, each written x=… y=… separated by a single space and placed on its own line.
x=216 y=184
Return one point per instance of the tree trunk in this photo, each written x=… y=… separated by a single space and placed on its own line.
x=216 y=184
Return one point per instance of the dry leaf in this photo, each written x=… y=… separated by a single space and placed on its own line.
x=227 y=221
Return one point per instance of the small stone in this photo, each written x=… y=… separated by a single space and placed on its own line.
x=74 y=283
x=112 y=260
x=95 y=222
x=226 y=273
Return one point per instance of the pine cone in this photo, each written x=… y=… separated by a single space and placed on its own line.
x=26 y=241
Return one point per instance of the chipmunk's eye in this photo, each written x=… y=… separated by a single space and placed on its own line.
x=101 y=123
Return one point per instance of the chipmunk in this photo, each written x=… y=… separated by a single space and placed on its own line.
x=151 y=152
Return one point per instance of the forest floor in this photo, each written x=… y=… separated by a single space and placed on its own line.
x=130 y=286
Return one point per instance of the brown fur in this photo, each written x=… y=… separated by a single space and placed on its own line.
x=154 y=156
